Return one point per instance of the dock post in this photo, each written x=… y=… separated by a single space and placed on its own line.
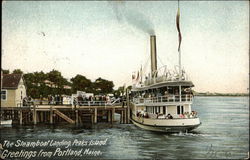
x=121 y=119
x=92 y=119
x=128 y=109
x=80 y=117
x=20 y=116
x=41 y=116
x=51 y=115
x=125 y=116
x=113 y=115
x=34 y=114
x=108 y=115
x=77 y=116
x=37 y=116
x=95 y=116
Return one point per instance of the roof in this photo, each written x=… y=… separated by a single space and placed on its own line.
x=11 y=81
x=164 y=84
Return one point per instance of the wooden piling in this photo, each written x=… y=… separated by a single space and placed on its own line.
x=95 y=115
x=51 y=115
x=121 y=118
x=77 y=116
x=113 y=115
x=128 y=108
x=109 y=116
x=125 y=116
x=34 y=114
x=20 y=116
x=80 y=118
x=92 y=118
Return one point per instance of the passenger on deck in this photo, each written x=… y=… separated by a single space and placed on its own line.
x=186 y=115
x=49 y=99
x=25 y=101
x=181 y=116
x=157 y=115
x=138 y=113
x=169 y=116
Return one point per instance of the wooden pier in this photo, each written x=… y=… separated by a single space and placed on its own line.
x=73 y=114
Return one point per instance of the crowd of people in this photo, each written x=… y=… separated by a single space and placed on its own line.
x=97 y=100
x=57 y=99
x=27 y=101
x=79 y=100
x=144 y=114
x=163 y=93
x=193 y=114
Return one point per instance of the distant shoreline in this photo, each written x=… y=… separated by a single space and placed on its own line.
x=222 y=94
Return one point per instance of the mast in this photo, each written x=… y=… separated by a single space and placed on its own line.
x=180 y=74
x=141 y=74
x=179 y=34
x=179 y=47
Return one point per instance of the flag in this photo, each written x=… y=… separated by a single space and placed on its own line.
x=138 y=75
x=133 y=76
x=124 y=88
x=178 y=26
x=141 y=73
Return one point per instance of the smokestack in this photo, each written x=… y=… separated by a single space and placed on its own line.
x=153 y=54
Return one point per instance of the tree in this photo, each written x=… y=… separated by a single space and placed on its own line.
x=119 y=92
x=55 y=77
x=58 y=81
x=17 y=71
x=103 y=86
x=29 y=82
x=129 y=87
x=37 y=85
x=5 y=71
x=81 y=83
x=39 y=80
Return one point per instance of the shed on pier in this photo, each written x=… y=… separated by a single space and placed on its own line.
x=13 y=90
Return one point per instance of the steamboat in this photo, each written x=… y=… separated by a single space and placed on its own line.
x=162 y=101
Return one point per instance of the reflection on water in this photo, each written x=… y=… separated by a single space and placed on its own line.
x=224 y=133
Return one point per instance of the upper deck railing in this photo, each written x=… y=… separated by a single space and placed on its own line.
x=164 y=99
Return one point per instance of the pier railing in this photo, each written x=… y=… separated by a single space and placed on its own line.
x=70 y=103
x=96 y=103
x=164 y=99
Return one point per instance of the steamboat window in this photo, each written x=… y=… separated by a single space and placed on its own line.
x=164 y=110
x=4 y=95
x=180 y=110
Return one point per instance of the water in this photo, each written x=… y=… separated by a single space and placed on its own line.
x=224 y=134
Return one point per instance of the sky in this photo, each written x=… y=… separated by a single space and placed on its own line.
x=110 y=39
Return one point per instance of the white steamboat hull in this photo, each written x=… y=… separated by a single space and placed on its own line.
x=167 y=125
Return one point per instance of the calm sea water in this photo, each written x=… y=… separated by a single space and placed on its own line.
x=224 y=134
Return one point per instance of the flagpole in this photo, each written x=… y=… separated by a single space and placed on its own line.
x=180 y=64
x=179 y=49
x=141 y=73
